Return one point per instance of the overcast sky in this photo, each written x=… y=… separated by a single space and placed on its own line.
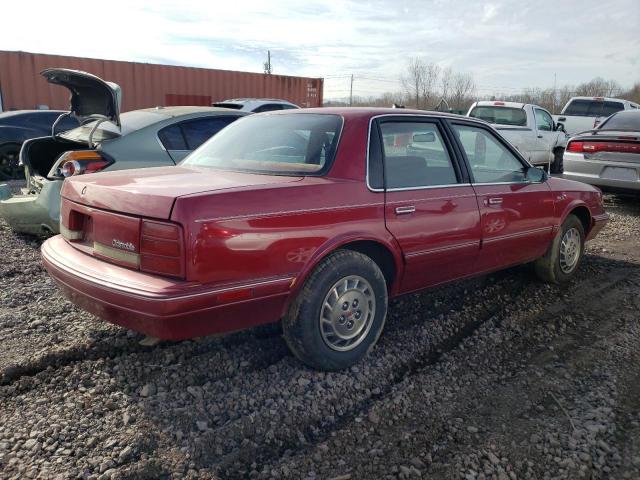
x=506 y=44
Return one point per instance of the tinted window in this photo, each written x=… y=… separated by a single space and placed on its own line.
x=269 y=107
x=196 y=132
x=543 y=120
x=629 y=120
x=501 y=115
x=592 y=108
x=490 y=160
x=286 y=106
x=415 y=155
x=234 y=106
x=288 y=144
x=172 y=138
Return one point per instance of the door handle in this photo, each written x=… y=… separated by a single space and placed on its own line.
x=405 y=210
x=494 y=201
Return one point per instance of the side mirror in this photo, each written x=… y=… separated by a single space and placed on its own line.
x=424 y=137
x=559 y=127
x=536 y=174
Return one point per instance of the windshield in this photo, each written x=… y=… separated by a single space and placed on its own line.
x=293 y=144
x=628 y=120
x=592 y=108
x=501 y=115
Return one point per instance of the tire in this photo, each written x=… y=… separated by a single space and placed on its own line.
x=9 y=168
x=339 y=313
x=560 y=263
x=558 y=158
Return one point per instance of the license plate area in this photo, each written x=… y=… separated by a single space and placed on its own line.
x=620 y=173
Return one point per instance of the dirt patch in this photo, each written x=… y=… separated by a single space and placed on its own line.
x=497 y=377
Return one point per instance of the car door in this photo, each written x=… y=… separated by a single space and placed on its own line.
x=546 y=137
x=430 y=208
x=517 y=215
x=180 y=139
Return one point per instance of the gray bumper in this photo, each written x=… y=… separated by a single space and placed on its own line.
x=33 y=213
x=622 y=175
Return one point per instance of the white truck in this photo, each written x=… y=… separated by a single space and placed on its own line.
x=582 y=114
x=529 y=128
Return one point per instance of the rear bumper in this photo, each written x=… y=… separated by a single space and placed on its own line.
x=618 y=175
x=34 y=214
x=156 y=306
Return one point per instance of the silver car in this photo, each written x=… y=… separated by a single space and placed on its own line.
x=105 y=140
x=608 y=156
x=256 y=105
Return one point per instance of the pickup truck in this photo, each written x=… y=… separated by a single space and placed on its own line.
x=529 y=128
x=581 y=114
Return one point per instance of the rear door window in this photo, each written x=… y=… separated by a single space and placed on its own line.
x=196 y=132
x=172 y=138
x=415 y=155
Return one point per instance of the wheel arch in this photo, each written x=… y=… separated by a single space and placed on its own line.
x=384 y=252
x=580 y=210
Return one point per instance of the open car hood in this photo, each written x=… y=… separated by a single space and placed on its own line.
x=90 y=95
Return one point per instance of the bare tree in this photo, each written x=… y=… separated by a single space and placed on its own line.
x=413 y=81
x=446 y=79
x=432 y=72
x=599 y=87
x=462 y=88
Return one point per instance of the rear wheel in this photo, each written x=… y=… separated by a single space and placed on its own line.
x=339 y=314
x=561 y=261
x=9 y=168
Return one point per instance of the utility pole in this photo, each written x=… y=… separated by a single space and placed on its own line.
x=267 y=64
x=351 y=91
x=555 y=94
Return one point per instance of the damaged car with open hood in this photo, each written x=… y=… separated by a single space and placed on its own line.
x=105 y=140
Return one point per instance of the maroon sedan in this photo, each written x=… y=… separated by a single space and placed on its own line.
x=314 y=217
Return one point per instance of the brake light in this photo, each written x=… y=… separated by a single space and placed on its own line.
x=161 y=248
x=498 y=103
x=595 y=147
x=79 y=162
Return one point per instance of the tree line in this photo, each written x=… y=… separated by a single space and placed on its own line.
x=428 y=86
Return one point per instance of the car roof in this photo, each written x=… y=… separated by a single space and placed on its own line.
x=176 y=111
x=370 y=112
x=246 y=100
x=13 y=113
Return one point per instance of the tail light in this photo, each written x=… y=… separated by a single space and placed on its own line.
x=79 y=162
x=161 y=248
x=595 y=147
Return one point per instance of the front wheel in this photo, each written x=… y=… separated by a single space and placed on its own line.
x=558 y=157
x=561 y=261
x=339 y=314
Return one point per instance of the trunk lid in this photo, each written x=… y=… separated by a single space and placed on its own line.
x=151 y=192
x=91 y=97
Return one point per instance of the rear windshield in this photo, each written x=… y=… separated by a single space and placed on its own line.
x=235 y=106
x=629 y=120
x=592 y=108
x=501 y=115
x=288 y=144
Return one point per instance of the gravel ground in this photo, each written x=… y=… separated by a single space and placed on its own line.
x=500 y=377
